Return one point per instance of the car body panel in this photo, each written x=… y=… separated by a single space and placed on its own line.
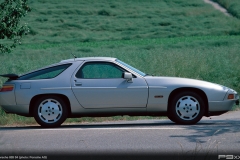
x=110 y=93
x=213 y=91
x=8 y=98
x=158 y=99
x=216 y=94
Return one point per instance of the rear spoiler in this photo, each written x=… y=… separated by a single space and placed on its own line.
x=10 y=76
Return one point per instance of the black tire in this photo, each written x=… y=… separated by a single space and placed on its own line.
x=186 y=108
x=171 y=118
x=50 y=111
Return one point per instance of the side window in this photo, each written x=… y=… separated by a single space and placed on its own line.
x=99 y=70
x=47 y=73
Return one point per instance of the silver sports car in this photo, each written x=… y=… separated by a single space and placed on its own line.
x=101 y=86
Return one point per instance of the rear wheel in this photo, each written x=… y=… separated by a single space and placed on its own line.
x=186 y=108
x=50 y=111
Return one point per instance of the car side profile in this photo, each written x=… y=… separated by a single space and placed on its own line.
x=103 y=86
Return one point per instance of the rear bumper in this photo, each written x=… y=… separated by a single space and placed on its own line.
x=9 y=105
x=7 y=98
x=22 y=110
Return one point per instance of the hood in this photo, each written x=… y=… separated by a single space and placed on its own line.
x=176 y=82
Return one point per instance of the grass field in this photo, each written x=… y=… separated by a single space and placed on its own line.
x=60 y=21
x=164 y=38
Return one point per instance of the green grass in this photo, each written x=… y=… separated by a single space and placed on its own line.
x=232 y=6
x=60 y=21
x=164 y=38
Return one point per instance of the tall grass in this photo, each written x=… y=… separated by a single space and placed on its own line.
x=211 y=58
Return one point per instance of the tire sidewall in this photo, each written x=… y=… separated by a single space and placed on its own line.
x=55 y=124
x=172 y=108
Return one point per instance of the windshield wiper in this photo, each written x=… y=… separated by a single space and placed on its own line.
x=148 y=74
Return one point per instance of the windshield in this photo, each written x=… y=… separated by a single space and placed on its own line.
x=132 y=68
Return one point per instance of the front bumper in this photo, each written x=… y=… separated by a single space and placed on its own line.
x=226 y=105
x=220 y=107
x=237 y=99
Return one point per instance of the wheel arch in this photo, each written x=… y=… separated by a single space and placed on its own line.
x=196 y=90
x=63 y=97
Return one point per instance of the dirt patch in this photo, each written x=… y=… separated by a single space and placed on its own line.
x=218 y=7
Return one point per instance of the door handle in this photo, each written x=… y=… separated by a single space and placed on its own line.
x=77 y=83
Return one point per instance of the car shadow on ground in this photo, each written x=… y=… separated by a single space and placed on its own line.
x=203 y=132
x=113 y=125
x=231 y=125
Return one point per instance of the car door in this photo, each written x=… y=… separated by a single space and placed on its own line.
x=101 y=85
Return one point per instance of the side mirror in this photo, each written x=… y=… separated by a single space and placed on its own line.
x=128 y=77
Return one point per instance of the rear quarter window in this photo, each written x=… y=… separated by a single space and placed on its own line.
x=46 y=73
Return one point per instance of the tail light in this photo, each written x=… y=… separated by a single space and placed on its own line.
x=231 y=96
x=6 y=88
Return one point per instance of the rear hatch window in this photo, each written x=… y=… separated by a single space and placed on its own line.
x=46 y=73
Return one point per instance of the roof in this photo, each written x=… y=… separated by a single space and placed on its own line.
x=89 y=58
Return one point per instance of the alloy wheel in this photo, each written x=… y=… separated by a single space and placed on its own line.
x=187 y=108
x=50 y=111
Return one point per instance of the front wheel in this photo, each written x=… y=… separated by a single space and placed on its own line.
x=50 y=111
x=186 y=108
